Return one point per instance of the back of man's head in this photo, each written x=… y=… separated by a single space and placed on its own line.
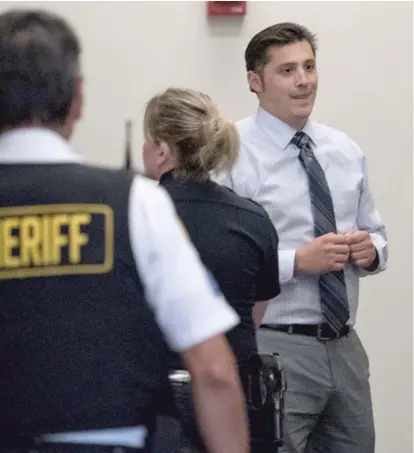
x=39 y=69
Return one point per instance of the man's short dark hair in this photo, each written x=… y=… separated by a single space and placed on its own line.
x=39 y=67
x=257 y=55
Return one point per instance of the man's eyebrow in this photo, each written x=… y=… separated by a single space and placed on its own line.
x=295 y=63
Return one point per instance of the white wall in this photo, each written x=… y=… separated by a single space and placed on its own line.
x=132 y=50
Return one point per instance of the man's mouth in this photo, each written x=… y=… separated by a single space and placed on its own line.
x=302 y=96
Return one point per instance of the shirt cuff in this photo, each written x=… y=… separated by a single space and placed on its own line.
x=381 y=247
x=286 y=266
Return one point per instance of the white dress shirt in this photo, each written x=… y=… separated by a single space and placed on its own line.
x=188 y=310
x=269 y=172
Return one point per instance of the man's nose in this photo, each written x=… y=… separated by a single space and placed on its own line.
x=301 y=77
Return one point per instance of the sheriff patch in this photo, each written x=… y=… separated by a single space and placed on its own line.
x=50 y=240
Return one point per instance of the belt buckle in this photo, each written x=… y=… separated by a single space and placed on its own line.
x=319 y=335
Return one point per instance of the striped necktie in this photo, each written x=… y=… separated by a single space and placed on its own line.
x=333 y=295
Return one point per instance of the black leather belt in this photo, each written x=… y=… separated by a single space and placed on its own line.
x=322 y=332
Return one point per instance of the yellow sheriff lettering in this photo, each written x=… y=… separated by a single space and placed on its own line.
x=30 y=236
x=77 y=239
x=39 y=240
x=10 y=242
x=59 y=239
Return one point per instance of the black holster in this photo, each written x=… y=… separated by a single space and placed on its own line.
x=264 y=385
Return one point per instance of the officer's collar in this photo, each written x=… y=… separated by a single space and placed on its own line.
x=35 y=145
x=167 y=177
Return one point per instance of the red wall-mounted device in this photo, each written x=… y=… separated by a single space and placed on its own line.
x=226 y=8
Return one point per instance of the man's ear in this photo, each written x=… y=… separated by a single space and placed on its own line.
x=255 y=82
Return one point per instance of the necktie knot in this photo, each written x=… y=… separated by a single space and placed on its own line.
x=300 y=139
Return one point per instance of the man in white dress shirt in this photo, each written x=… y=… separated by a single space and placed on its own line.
x=312 y=180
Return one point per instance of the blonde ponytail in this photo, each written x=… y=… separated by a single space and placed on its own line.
x=190 y=123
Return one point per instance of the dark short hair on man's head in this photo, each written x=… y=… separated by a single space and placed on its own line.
x=278 y=35
x=39 y=67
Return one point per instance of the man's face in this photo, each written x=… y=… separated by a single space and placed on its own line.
x=288 y=83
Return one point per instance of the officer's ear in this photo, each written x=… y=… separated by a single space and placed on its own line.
x=164 y=153
x=75 y=112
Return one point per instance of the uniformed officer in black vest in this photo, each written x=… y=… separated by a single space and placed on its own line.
x=97 y=276
x=186 y=140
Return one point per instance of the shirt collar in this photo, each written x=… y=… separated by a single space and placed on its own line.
x=281 y=132
x=35 y=145
x=167 y=177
